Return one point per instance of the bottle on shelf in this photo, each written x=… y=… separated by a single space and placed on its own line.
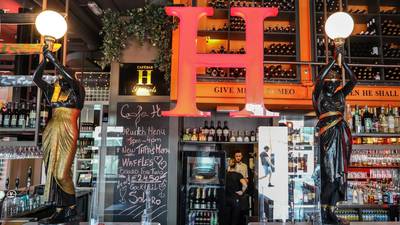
x=44 y=114
x=239 y=138
x=14 y=115
x=32 y=116
x=383 y=121
x=7 y=116
x=367 y=120
x=206 y=129
x=232 y=137
x=202 y=136
x=225 y=132
x=357 y=121
x=21 y=123
x=194 y=136
x=218 y=132
x=391 y=120
x=211 y=134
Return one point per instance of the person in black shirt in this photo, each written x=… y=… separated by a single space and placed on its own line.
x=267 y=165
x=236 y=185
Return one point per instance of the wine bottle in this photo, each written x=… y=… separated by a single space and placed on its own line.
x=22 y=116
x=375 y=122
x=219 y=131
x=383 y=123
x=367 y=118
x=43 y=114
x=211 y=134
x=391 y=120
x=225 y=132
x=14 y=115
x=357 y=121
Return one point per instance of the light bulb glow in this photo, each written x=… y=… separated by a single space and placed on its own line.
x=51 y=23
x=339 y=25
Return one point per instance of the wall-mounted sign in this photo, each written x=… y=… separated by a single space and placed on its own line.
x=189 y=60
x=141 y=79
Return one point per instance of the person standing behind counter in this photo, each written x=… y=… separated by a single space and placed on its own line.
x=241 y=167
x=236 y=185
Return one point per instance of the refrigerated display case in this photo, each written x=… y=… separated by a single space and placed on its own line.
x=203 y=187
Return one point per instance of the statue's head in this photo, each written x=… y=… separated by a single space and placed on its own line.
x=332 y=82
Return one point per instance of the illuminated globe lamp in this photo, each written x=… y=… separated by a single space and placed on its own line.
x=338 y=27
x=52 y=25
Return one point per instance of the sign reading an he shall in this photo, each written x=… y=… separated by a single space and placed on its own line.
x=143 y=160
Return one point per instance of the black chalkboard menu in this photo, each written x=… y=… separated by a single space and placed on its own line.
x=143 y=160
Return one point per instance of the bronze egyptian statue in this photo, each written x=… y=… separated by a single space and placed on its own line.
x=66 y=98
x=334 y=136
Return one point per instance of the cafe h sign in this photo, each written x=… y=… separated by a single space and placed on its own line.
x=189 y=60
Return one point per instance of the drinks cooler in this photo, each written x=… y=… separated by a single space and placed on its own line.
x=202 y=189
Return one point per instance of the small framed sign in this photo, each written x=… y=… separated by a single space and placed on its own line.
x=141 y=79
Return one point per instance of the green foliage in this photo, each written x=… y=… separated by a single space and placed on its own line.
x=148 y=24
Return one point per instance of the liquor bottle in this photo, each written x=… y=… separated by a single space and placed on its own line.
x=246 y=136
x=203 y=199
x=219 y=131
x=349 y=117
x=367 y=118
x=239 y=138
x=187 y=136
x=225 y=132
x=375 y=122
x=7 y=116
x=14 y=115
x=16 y=184
x=396 y=120
x=28 y=180
x=22 y=116
x=211 y=135
x=197 y=199
x=391 y=120
x=32 y=116
x=232 y=137
x=206 y=129
x=27 y=115
x=252 y=136
x=357 y=121
x=209 y=199
x=194 y=136
x=202 y=136
x=43 y=115
x=383 y=121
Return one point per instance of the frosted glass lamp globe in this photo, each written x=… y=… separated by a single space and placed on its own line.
x=51 y=24
x=339 y=25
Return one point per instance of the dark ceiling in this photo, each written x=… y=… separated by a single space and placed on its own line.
x=83 y=24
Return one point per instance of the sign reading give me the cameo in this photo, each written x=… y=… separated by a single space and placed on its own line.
x=143 y=160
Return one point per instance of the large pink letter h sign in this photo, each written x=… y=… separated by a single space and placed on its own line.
x=189 y=60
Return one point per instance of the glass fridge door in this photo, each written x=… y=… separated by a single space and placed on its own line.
x=203 y=184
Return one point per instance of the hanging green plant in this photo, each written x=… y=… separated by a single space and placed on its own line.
x=148 y=24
